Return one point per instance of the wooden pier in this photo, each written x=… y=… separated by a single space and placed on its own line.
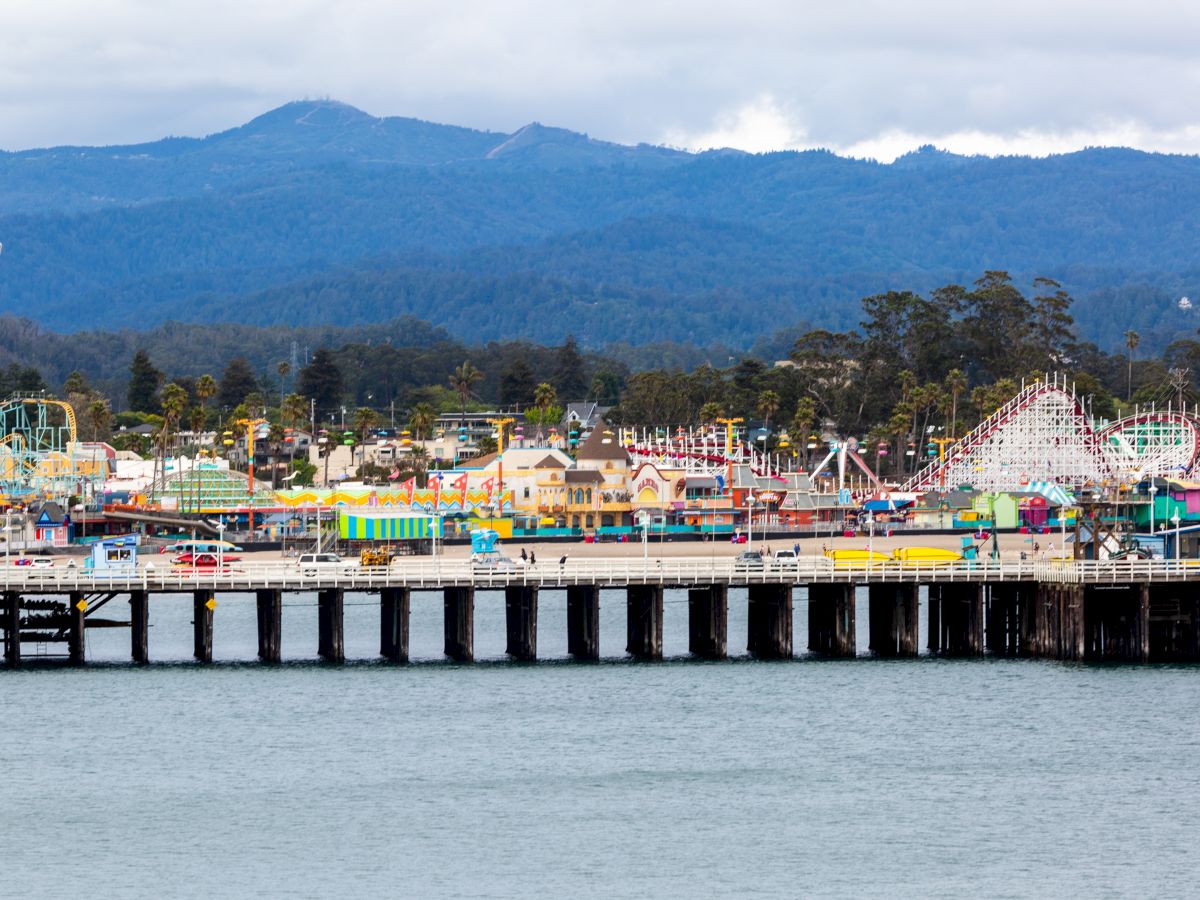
x=1129 y=611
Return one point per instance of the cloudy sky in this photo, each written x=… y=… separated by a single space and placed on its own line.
x=863 y=77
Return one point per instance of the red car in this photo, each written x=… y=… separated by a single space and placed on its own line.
x=203 y=560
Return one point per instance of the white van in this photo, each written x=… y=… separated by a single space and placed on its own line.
x=327 y=563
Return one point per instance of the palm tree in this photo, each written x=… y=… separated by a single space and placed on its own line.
x=365 y=421
x=275 y=441
x=206 y=389
x=174 y=401
x=422 y=420
x=545 y=398
x=284 y=369
x=956 y=383
x=710 y=412
x=1132 y=339
x=768 y=405
x=463 y=382
x=99 y=416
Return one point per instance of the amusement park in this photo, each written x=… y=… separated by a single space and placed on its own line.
x=1040 y=467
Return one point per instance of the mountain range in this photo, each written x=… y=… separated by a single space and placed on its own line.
x=317 y=213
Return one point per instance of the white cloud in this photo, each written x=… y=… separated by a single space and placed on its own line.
x=863 y=76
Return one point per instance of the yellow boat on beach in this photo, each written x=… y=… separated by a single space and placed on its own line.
x=925 y=556
x=844 y=559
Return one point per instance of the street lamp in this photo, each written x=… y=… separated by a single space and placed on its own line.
x=1175 y=521
x=1153 y=491
x=220 y=543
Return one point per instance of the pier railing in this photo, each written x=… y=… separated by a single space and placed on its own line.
x=432 y=573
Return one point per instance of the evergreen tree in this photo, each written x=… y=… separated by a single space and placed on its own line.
x=516 y=384
x=569 y=378
x=321 y=380
x=237 y=382
x=143 y=384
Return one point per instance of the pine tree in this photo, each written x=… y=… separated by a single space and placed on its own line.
x=321 y=380
x=143 y=384
x=569 y=378
x=237 y=382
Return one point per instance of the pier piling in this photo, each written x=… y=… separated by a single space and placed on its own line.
x=331 y=640
x=270 y=624
x=203 y=604
x=769 y=621
x=956 y=618
x=708 y=621
x=520 y=616
x=75 y=628
x=1174 y=623
x=1116 y=622
x=12 y=628
x=831 y=625
x=394 y=606
x=583 y=621
x=892 y=619
x=459 y=623
x=644 y=621
x=139 y=626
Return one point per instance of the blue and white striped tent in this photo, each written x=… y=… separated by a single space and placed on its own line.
x=1055 y=494
x=383 y=525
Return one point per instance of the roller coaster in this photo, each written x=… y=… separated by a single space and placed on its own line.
x=39 y=456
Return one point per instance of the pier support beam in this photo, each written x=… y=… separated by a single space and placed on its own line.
x=12 y=628
x=892 y=619
x=203 y=604
x=1003 y=617
x=520 y=616
x=331 y=631
x=1117 y=622
x=644 y=621
x=394 y=606
x=139 y=626
x=459 y=623
x=1059 y=624
x=1174 y=626
x=708 y=621
x=270 y=624
x=75 y=626
x=956 y=618
x=769 y=621
x=583 y=621
x=831 y=625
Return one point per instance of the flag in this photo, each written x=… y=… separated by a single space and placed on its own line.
x=460 y=484
x=410 y=486
x=488 y=485
x=394 y=475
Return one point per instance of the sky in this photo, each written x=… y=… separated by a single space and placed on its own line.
x=863 y=78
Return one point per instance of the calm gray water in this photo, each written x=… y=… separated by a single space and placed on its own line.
x=808 y=778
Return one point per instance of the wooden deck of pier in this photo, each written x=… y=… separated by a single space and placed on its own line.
x=1134 y=610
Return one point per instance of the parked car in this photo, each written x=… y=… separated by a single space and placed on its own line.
x=785 y=559
x=492 y=561
x=204 y=560
x=36 y=566
x=747 y=560
x=326 y=563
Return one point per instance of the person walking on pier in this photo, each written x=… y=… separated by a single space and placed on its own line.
x=524 y=557
x=563 y=561
x=532 y=558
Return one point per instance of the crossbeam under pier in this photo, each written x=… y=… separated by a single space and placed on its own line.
x=831 y=619
x=708 y=621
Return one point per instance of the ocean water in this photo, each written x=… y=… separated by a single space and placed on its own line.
x=809 y=778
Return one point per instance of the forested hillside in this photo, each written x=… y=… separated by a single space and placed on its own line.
x=317 y=213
